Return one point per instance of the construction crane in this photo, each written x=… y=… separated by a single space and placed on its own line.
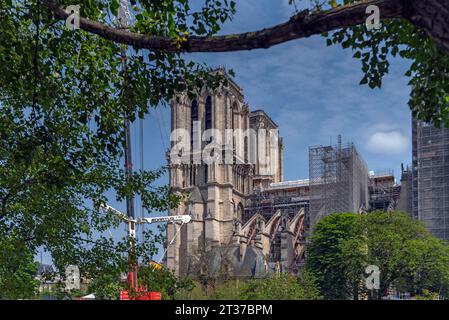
x=132 y=223
x=124 y=17
x=123 y=22
x=181 y=218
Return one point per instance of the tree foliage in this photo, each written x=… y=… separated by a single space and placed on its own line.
x=408 y=257
x=107 y=286
x=17 y=270
x=64 y=98
x=164 y=281
x=325 y=255
x=282 y=286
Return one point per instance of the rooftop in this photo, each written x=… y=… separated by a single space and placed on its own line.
x=262 y=113
x=289 y=184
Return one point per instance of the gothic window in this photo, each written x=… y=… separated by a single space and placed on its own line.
x=246 y=149
x=194 y=111
x=208 y=116
x=208 y=119
x=205 y=173
x=234 y=125
x=192 y=175
x=189 y=168
x=194 y=117
x=233 y=111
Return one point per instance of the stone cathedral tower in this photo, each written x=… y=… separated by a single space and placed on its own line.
x=218 y=191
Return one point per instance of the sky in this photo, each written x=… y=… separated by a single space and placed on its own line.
x=310 y=90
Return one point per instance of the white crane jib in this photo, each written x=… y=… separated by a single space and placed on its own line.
x=183 y=219
x=165 y=219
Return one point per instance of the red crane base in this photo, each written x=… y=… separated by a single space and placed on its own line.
x=141 y=292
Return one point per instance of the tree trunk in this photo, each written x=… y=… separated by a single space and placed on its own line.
x=432 y=16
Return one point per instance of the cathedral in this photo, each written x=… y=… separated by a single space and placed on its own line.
x=222 y=155
x=226 y=160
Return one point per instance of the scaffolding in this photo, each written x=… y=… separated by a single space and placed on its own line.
x=281 y=204
x=289 y=197
x=405 y=197
x=338 y=181
x=384 y=191
x=430 y=194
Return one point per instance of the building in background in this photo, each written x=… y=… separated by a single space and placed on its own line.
x=247 y=221
x=47 y=277
x=430 y=177
x=51 y=282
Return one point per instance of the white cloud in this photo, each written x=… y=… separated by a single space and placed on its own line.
x=393 y=142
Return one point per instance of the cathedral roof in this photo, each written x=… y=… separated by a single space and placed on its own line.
x=263 y=114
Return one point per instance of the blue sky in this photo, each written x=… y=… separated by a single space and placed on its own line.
x=310 y=90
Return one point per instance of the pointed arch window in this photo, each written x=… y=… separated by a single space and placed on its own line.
x=234 y=126
x=194 y=110
x=208 y=117
x=194 y=117
x=245 y=146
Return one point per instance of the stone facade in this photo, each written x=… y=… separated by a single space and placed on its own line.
x=218 y=192
x=247 y=221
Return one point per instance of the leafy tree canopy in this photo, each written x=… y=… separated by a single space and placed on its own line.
x=64 y=98
x=325 y=257
x=17 y=270
x=408 y=257
x=281 y=286
x=164 y=281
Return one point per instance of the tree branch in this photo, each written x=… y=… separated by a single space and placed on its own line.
x=299 y=26
x=430 y=15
